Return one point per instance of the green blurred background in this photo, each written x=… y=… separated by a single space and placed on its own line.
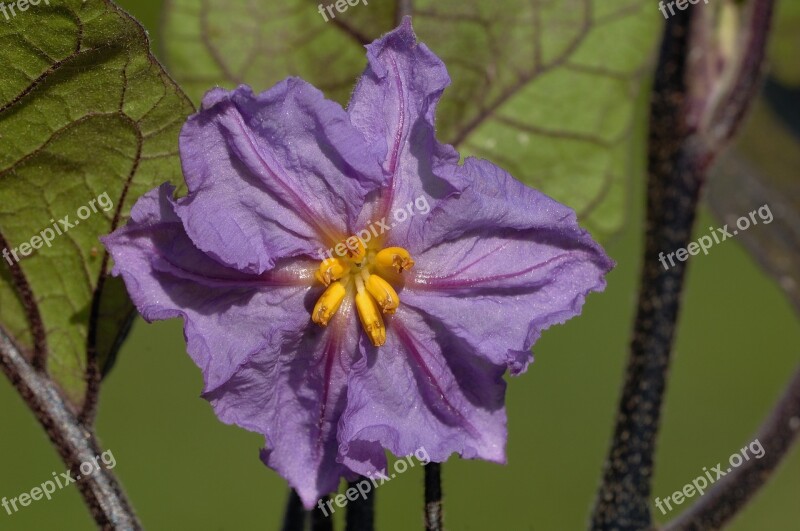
x=736 y=347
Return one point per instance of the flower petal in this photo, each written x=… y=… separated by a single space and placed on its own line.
x=394 y=104
x=501 y=262
x=424 y=388
x=295 y=399
x=267 y=368
x=271 y=176
x=228 y=315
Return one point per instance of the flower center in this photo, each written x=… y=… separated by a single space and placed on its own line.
x=364 y=270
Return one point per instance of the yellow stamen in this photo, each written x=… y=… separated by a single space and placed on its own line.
x=331 y=269
x=328 y=303
x=395 y=257
x=371 y=318
x=355 y=249
x=367 y=271
x=383 y=292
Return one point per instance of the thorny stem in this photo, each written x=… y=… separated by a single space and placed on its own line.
x=679 y=154
x=727 y=497
x=75 y=443
x=433 y=497
x=672 y=194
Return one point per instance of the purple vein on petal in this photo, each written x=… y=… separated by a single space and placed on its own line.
x=394 y=156
x=293 y=275
x=311 y=216
x=401 y=120
x=300 y=279
x=423 y=281
x=333 y=346
x=411 y=346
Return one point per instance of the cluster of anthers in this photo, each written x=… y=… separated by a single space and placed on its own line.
x=364 y=270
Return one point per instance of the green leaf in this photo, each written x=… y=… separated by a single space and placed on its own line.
x=88 y=122
x=547 y=90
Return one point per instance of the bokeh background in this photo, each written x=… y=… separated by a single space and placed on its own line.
x=737 y=344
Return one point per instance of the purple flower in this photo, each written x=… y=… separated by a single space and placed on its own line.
x=322 y=319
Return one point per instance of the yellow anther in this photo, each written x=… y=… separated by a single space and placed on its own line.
x=352 y=248
x=371 y=318
x=367 y=271
x=331 y=269
x=395 y=257
x=383 y=293
x=328 y=303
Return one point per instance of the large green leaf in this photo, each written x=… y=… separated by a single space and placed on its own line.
x=546 y=89
x=85 y=113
